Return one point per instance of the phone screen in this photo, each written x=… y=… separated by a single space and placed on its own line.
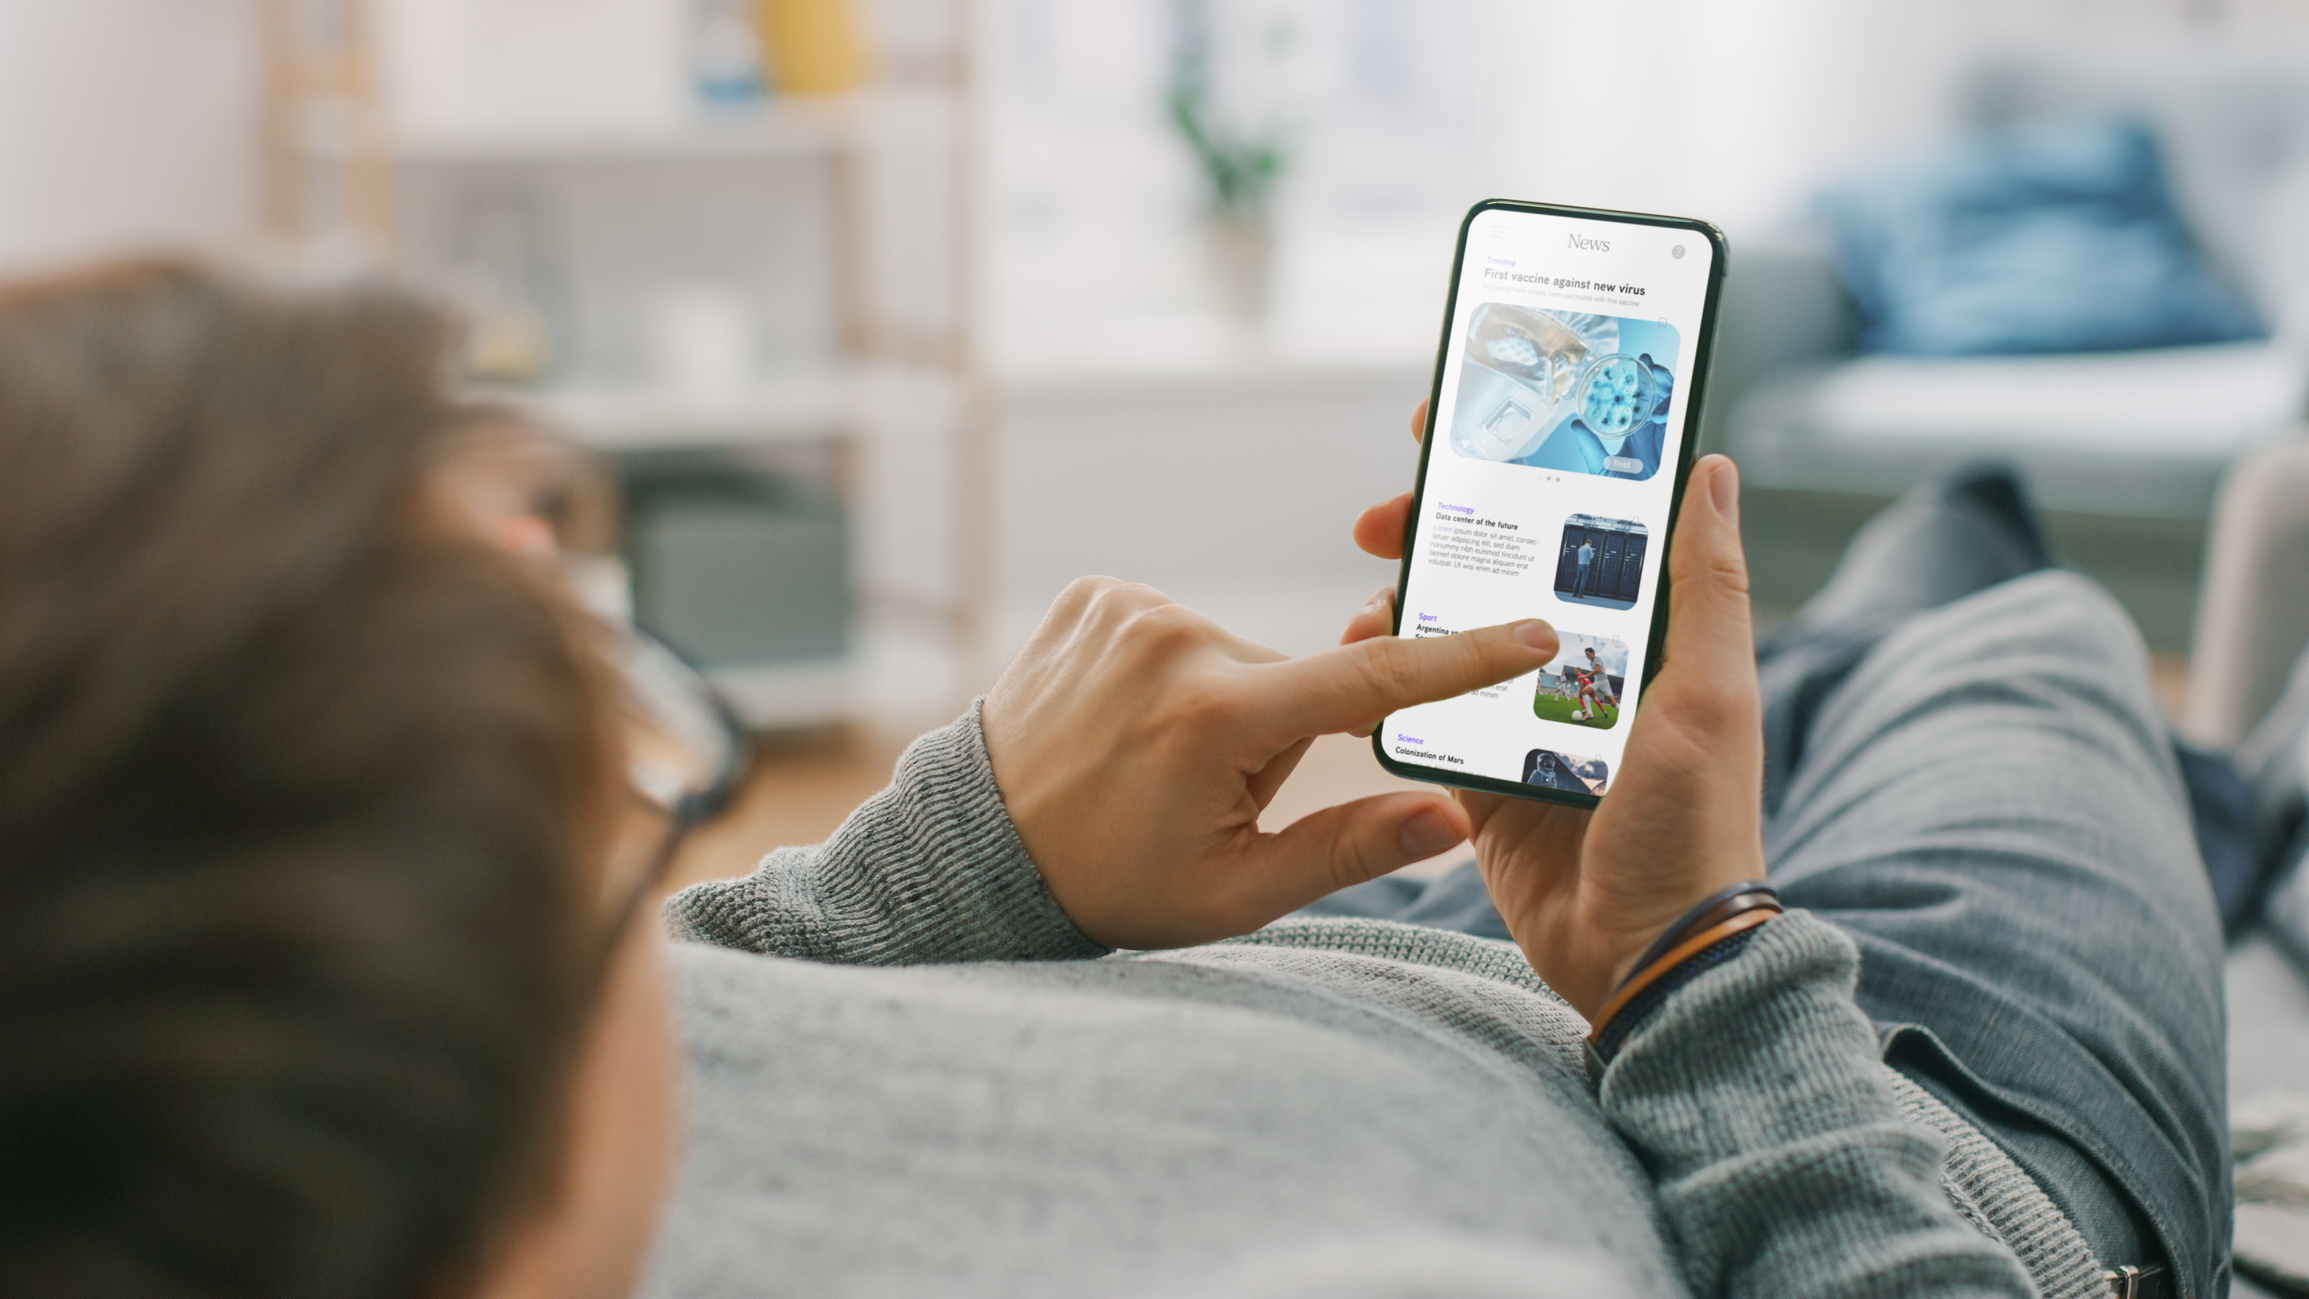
x=1558 y=439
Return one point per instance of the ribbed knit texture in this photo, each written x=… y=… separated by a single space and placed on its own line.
x=1278 y=1114
x=1999 y=1198
x=1981 y=1181
x=928 y=870
x=1772 y=1127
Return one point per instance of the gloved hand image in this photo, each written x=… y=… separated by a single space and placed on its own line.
x=1565 y=391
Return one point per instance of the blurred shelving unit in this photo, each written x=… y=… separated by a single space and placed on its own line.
x=321 y=87
x=772 y=410
x=776 y=128
x=781 y=202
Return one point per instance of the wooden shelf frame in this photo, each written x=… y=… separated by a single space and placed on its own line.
x=329 y=165
x=321 y=78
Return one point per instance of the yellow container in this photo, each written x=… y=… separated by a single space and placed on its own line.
x=814 y=46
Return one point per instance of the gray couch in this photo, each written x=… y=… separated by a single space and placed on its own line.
x=2125 y=433
x=2252 y=627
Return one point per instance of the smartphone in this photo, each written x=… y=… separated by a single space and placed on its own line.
x=1559 y=436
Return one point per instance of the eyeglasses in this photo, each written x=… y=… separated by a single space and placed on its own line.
x=688 y=753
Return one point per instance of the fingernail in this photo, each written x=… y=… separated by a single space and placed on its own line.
x=1427 y=834
x=1536 y=633
x=1724 y=490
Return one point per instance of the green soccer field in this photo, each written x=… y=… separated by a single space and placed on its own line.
x=1549 y=708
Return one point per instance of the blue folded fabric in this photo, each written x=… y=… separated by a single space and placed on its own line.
x=2053 y=236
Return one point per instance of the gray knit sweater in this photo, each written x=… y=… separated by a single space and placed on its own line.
x=911 y=1076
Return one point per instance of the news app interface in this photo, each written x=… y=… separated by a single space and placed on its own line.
x=1558 y=427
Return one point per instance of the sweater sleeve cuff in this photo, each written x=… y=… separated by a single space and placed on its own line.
x=1748 y=1026
x=929 y=870
x=1756 y=1096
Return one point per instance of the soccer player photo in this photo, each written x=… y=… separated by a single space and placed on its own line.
x=1582 y=686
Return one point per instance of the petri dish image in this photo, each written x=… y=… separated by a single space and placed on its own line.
x=1617 y=396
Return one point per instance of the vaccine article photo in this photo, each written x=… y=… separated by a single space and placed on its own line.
x=1567 y=391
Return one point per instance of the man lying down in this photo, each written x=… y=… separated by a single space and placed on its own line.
x=317 y=976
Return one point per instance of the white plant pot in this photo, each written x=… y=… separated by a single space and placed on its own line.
x=1239 y=264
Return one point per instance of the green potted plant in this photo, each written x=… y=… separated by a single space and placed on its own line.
x=1242 y=153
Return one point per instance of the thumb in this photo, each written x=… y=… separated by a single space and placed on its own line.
x=1326 y=851
x=1710 y=631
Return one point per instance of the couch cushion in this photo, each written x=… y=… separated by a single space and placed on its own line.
x=2114 y=432
x=2051 y=236
x=2231 y=111
x=2268 y=1063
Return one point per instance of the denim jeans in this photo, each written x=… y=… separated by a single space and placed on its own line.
x=1988 y=801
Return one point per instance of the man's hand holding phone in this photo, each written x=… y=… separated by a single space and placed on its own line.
x=1584 y=892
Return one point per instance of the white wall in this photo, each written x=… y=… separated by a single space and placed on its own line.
x=1738 y=112
x=1407 y=109
x=125 y=124
x=1233 y=493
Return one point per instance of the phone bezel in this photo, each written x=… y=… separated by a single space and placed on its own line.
x=1703 y=359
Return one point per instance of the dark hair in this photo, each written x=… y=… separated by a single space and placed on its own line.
x=300 y=789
